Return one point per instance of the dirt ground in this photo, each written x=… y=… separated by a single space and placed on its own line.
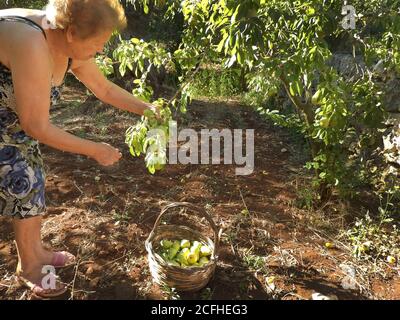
x=270 y=249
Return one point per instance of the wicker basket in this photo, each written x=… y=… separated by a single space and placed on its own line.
x=182 y=279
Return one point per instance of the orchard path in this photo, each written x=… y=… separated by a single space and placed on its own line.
x=270 y=249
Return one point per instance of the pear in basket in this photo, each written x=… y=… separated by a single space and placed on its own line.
x=166 y=244
x=194 y=254
x=173 y=250
x=203 y=261
x=185 y=244
x=174 y=263
x=205 y=251
x=182 y=256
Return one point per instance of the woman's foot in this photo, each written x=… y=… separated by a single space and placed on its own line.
x=63 y=259
x=58 y=259
x=41 y=284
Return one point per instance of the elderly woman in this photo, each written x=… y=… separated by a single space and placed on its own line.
x=37 y=49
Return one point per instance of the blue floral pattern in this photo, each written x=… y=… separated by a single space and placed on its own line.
x=22 y=175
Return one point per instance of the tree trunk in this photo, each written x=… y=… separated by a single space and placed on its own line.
x=243 y=83
x=324 y=190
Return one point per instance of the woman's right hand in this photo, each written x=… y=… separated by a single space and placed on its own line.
x=106 y=155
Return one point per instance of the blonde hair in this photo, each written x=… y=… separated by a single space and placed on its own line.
x=88 y=17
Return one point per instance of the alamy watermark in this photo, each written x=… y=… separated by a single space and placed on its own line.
x=49 y=280
x=349 y=20
x=209 y=143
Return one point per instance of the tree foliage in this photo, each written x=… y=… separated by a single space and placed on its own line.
x=290 y=44
x=31 y=4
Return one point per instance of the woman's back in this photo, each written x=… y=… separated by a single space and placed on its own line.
x=11 y=30
x=15 y=25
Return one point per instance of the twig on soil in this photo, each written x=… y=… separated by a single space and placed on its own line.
x=110 y=262
x=84 y=291
x=244 y=203
x=86 y=262
x=75 y=274
x=294 y=295
x=23 y=295
x=363 y=284
x=286 y=258
x=80 y=190
x=233 y=249
x=326 y=236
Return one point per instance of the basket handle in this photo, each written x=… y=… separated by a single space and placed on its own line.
x=200 y=211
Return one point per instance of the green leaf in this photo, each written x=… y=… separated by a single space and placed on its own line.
x=146 y=8
x=233 y=18
x=310 y=11
x=222 y=43
x=291 y=89
x=148 y=113
x=151 y=169
x=232 y=60
x=239 y=58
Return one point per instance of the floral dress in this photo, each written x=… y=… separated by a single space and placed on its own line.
x=22 y=175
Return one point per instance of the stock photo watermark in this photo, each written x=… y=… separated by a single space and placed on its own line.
x=49 y=280
x=349 y=20
x=207 y=139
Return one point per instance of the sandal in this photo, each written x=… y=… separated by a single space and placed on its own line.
x=63 y=259
x=39 y=291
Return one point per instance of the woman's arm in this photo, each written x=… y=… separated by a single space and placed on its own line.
x=31 y=73
x=90 y=75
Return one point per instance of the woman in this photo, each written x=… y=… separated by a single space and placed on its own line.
x=37 y=48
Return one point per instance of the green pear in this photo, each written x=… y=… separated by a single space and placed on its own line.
x=192 y=258
x=185 y=244
x=203 y=261
x=205 y=251
x=182 y=256
x=194 y=252
x=166 y=244
x=173 y=250
x=174 y=263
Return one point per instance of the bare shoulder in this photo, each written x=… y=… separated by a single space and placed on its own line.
x=29 y=45
x=20 y=41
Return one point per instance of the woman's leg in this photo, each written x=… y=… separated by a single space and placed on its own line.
x=31 y=254
x=32 y=257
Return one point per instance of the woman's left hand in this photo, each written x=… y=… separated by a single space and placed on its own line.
x=156 y=110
